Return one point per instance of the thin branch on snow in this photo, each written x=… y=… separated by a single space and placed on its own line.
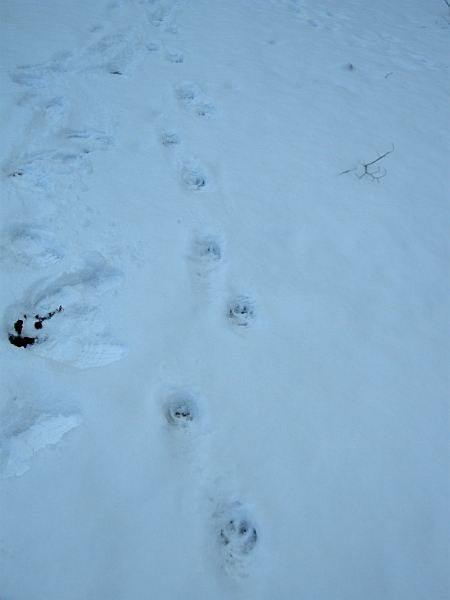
x=448 y=4
x=375 y=175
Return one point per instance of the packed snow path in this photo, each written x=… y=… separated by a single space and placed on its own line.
x=224 y=253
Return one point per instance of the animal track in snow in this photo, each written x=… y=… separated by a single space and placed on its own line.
x=208 y=250
x=241 y=311
x=192 y=97
x=186 y=417
x=97 y=28
x=181 y=409
x=161 y=16
x=63 y=320
x=34 y=245
x=205 y=108
x=194 y=176
x=170 y=138
x=237 y=538
x=205 y=255
x=187 y=92
x=205 y=261
x=154 y=46
x=174 y=55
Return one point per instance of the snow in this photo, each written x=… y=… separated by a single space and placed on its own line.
x=224 y=257
x=22 y=445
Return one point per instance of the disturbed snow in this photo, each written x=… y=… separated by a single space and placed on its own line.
x=225 y=297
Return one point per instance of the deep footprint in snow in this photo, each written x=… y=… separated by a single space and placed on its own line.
x=34 y=245
x=55 y=110
x=181 y=410
x=241 y=311
x=237 y=537
x=64 y=321
x=42 y=171
x=40 y=75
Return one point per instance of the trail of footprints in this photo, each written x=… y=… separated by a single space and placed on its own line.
x=193 y=174
x=61 y=317
x=236 y=533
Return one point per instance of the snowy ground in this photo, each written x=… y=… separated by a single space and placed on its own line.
x=225 y=361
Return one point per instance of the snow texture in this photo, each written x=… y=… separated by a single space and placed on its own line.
x=224 y=258
x=22 y=445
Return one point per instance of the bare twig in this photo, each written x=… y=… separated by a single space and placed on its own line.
x=448 y=4
x=375 y=175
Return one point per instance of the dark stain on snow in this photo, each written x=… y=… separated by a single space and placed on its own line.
x=22 y=341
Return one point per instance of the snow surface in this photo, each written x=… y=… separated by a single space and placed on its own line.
x=237 y=382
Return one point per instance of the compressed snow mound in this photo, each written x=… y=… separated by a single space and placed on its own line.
x=34 y=245
x=63 y=319
x=20 y=447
